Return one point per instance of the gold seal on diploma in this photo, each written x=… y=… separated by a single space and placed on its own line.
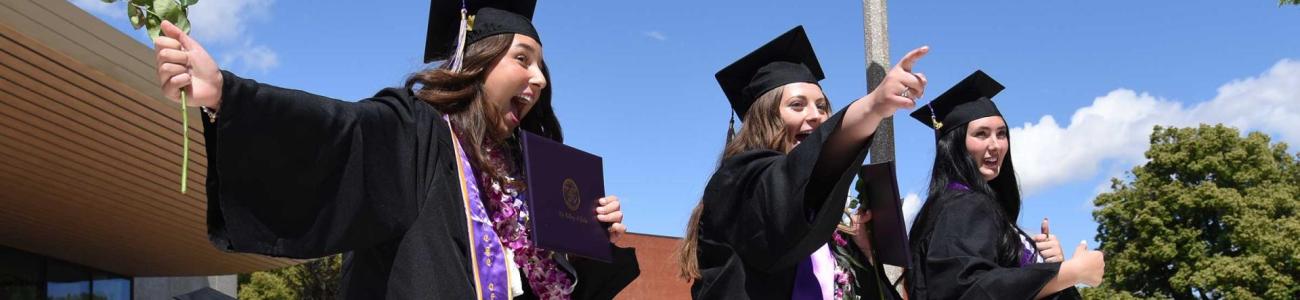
x=572 y=198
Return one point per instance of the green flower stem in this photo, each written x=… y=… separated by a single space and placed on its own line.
x=185 y=143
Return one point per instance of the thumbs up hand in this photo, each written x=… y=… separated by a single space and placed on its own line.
x=1086 y=266
x=1049 y=247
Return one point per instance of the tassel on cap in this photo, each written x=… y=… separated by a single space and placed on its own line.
x=731 y=129
x=458 y=58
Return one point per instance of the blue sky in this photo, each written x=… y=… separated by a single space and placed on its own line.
x=634 y=80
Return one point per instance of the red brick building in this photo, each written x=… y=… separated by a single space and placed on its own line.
x=658 y=278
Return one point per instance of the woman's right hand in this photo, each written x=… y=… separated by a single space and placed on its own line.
x=862 y=232
x=1088 y=266
x=901 y=87
x=184 y=65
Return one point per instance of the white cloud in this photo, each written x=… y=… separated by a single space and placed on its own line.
x=115 y=10
x=1117 y=126
x=220 y=21
x=220 y=25
x=251 y=58
x=656 y=35
x=224 y=23
x=911 y=206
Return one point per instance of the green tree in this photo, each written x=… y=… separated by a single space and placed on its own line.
x=1285 y=2
x=1212 y=215
x=317 y=279
x=263 y=285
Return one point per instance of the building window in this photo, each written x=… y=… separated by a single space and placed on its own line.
x=64 y=281
x=28 y=276
x=111 y=287
x=20 y=275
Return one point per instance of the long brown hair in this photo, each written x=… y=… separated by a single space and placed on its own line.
x=460 y=96
x=762 y=129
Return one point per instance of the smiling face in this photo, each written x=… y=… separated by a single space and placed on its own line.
x=515 y=82
x=803 y=107
x=987 y=141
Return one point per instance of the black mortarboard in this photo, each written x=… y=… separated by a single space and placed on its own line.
x=487 y=18
x=968 y=100
x=787 y=59
x=878 y=192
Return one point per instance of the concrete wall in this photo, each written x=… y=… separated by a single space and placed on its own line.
x=149 y=288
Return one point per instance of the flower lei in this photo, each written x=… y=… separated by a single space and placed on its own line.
x=843 y=269
x=510 y=217
x=847 y=261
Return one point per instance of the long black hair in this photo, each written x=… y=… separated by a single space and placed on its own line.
x=953 y=164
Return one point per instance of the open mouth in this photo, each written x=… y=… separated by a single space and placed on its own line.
x=799 y=137
x=517 y=104
x=991 y=163
x=523 y=98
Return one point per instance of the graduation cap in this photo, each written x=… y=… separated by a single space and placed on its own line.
x=787 y=59
x=878 y=192
x=456 y=23
x=968 y=100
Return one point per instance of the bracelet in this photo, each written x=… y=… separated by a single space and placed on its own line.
x=212 y=114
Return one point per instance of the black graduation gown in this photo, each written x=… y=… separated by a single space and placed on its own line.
x=958 y=258
x=292 y=174
x=764 y=212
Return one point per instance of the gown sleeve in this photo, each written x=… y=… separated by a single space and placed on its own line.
x=599 y=280
x=293 y=174
x=775 y=209
x=959 y=261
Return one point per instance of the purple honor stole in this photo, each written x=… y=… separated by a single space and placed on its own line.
x=815 y=276
x=488 y=260
x=806 y=286
x=1028 y=255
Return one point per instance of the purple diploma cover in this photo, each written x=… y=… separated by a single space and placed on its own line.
x=564 y=184
x=878 y=191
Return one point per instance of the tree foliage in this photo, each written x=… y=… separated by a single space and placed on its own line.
x=1212 y=215
x=317 y=279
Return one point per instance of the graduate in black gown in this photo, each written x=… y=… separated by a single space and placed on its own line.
x=965 y=241
x=853 y=246
x=767 y=215
x=418 y=185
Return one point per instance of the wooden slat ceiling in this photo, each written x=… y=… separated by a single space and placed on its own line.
x=90 y=151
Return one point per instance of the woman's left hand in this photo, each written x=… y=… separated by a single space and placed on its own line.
x=1048 y=246
x=611 y=212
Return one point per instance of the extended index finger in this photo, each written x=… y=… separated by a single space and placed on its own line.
x=1045 y=231
x=910 y=59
